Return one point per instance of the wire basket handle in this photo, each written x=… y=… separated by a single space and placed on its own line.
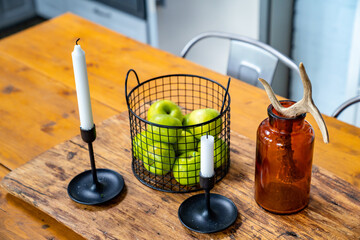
x=226 y=93
x=126 y=80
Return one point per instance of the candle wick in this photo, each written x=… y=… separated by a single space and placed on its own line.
x=77 y=41
x=207 y=135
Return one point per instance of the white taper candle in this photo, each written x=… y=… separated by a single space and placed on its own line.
x=82 y=88
x=207 y=156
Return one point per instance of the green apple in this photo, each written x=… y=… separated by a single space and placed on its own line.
x=157 y=157
x=163 y=134
x=138 y=140
x=165 y=107
x=204 y=115
x=185 y=121
x=220 y=152
x=186 y=169
x=186 y=142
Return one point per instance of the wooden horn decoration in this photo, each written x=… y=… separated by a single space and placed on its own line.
x=306 y=104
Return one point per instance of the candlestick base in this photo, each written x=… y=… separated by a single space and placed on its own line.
x=194 y=214
x=82 y=188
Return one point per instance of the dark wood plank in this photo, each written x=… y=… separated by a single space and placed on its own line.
x=20 y=220
x=143 y=213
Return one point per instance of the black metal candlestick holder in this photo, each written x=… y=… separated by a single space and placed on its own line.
x=94 y=186
x=207 y=212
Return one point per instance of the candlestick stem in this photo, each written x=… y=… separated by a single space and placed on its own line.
x=207 y=183
x=93 y=166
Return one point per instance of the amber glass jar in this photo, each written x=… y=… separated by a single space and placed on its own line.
x=284 y=152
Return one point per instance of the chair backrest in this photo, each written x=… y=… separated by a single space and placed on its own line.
x=248 y=62
x=248 y=59
x=345 y=105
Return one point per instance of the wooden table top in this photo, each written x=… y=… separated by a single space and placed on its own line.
x=38 y=105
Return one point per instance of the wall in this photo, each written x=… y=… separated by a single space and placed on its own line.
x=322 y=40
x=179 y=21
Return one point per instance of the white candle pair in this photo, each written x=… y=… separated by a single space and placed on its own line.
x=86 y=118
x=82 y=88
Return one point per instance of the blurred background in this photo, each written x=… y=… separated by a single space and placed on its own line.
x=324 y=35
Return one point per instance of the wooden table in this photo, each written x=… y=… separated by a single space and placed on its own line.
x=38 y=105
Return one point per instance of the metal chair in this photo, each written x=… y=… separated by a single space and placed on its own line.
x=249 y=59
x=345 y=105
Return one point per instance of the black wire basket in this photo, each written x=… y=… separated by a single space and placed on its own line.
x=167 y=158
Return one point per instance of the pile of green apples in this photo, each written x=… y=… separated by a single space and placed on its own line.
x=176 y=147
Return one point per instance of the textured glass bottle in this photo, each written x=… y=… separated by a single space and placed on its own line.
x=284 y=152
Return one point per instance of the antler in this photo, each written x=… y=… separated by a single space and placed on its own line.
x=306 y=104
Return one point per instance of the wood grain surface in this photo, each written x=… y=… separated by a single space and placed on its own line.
x=21 y=220
x=36 y=112
x=143 y=213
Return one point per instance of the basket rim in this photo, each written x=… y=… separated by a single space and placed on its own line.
x=179 y=127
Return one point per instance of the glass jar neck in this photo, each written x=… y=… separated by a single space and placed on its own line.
x=284 y=124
